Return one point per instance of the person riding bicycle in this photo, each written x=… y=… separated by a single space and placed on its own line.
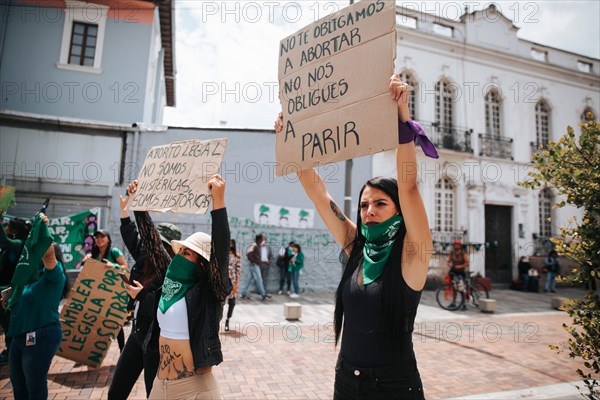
x=458 y=262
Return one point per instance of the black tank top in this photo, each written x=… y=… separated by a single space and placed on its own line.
x=364 y=344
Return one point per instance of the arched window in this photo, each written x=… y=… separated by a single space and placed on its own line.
x=406 y=77
x=492 y=114
x=444 y=206
x=545 y=212
x=588 y=115
x=542 y=123
x=444 y=113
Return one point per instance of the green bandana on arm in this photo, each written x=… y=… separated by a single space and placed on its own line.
x=28 y=268
x=181 y=276
x=378 y=246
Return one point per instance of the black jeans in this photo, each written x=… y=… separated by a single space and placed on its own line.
x=121 y=339
x=29 y=365
x=284 y=278
x=131 y=363
x=231 y=303
x=4 y=323
x=376 y=383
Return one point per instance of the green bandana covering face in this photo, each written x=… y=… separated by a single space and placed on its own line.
x=179 y=278
x=378 y=246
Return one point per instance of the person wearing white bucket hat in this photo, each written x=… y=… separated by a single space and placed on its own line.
x=190 y=308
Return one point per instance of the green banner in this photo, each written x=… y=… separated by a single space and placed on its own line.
x=74 y=234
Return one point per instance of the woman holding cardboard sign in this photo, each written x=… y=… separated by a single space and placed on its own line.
x=143 y=285
x=102 y=250
x=190 y=306
x=386 y=256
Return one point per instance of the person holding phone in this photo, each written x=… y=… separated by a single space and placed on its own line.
x=125 y=278
x=142 y=286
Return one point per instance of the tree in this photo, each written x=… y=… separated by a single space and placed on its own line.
x=572 y=167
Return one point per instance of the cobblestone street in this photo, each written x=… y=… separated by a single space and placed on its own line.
x=462 y=353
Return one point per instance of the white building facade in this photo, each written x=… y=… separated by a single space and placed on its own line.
x=488 y=100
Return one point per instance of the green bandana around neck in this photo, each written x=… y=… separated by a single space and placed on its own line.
x=378 y=246
x=181 y=276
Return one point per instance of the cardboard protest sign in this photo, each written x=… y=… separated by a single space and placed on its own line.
x=7 y=197
x=334 y=87
x=174 y=177
x=93 y=314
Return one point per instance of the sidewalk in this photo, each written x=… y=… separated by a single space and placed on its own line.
x=460 y=354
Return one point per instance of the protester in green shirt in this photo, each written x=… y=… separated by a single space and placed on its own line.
x=112 y=257
x=12 y=239
x=35 y=327
x=103 y=250
x=296 y=264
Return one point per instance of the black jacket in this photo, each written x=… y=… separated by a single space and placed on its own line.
x=205 y=300
x=129 y=233
x=146 y=311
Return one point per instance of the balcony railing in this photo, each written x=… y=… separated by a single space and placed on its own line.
x=493 y=146
x=537 y=147
x=542 y=245
x=449 y=137
x=442 y=240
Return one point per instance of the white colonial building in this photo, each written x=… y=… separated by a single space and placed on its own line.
x=83 y=93
x=489 y=100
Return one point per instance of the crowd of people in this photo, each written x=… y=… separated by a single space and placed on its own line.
x=178 y=288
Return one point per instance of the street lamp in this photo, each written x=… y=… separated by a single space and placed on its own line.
x=348 y=182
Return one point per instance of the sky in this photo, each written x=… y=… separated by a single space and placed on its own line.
x=226 y=52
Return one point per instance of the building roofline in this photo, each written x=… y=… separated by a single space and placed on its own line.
x=48 y=122
x=166 y=12
x=559 y=49
x=407 y=12
x=222 y=129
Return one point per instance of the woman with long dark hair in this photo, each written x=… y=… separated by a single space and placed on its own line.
x=190 y=306
x=386 y=257
x=102 y=250
x=145 y=279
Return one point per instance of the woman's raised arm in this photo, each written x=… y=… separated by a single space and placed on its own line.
x=418 y=242
x=341 y=228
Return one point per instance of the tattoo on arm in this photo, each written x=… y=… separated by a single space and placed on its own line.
x=336 y=210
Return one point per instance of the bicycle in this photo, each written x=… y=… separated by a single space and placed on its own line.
x=451 y=295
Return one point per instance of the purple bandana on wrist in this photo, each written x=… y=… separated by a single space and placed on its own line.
x=413 y=131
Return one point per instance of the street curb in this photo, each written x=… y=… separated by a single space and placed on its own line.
x=566 y=390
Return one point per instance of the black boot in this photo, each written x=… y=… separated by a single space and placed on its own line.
x=227 y=325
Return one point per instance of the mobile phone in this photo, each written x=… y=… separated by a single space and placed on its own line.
x=7 y=293
x=124 y=278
